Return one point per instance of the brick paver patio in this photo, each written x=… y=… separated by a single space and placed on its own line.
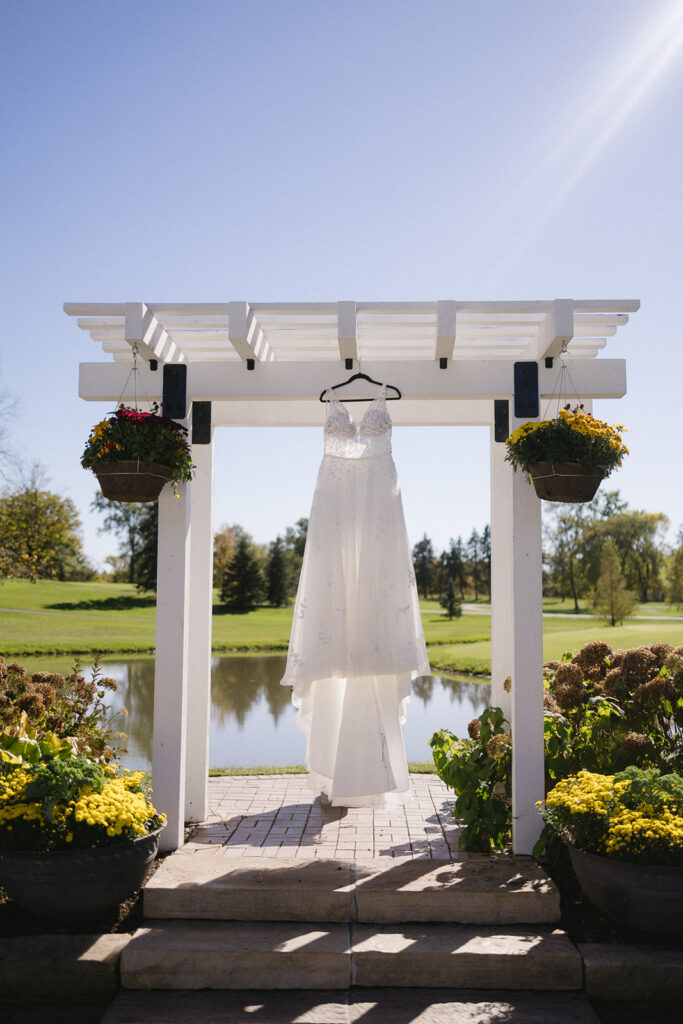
x=277 y=816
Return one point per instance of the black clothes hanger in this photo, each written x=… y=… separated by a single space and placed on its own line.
x=370 y=398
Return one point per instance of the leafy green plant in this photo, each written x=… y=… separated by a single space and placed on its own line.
x=479 y=770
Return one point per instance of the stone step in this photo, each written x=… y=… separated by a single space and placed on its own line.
x=475 y=890
x=285 y=955
x=354 y=1006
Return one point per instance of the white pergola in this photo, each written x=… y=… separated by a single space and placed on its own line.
x=265 y=364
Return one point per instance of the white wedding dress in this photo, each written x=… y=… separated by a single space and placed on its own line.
x=357 y=639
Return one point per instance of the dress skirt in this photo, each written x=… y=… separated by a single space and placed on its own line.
x=357 y=639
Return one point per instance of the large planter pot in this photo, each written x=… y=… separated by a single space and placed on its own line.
x=76 y=885
x=564 y=481
x=131 y=480
x=641 y=896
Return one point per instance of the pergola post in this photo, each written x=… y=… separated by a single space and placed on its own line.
x=171 y=662
x=527 y=664
x=502 y=622
x=199 y=639
x=517 y=636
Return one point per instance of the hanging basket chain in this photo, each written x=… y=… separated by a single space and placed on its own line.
x=559 y=392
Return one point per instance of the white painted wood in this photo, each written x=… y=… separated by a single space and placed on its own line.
x=240 y=327
x=502 y=618
x=144 y=331
x=524 y=541
x=556 y=331
x=171 y=663
x=446 y=329
x=346 y=330
x=417 y=379
x=254 y=413
x=199 y=636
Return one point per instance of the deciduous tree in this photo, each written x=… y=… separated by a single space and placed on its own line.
x=40 y=533
x=611 y=597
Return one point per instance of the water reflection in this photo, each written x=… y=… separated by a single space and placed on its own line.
x=252 y=718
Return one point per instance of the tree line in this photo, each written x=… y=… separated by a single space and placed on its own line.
x=602 y=550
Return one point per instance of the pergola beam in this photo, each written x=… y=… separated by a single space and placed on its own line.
x=346 y=331
x=418 y=380
x=445 y=329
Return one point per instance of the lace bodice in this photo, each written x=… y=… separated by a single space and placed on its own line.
x=345 y=440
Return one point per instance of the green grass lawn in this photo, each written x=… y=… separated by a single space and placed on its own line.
x=114 y=618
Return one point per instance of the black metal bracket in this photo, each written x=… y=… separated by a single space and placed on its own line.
x=153 y=365
x=443 y=363
x=250 y=364
x=527 y=403
x=201 y=423
x=174 y=398
x=501 y=419
x=549 y=362
x=348 y=364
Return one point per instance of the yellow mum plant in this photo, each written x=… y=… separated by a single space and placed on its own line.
x=72 y=803
x=634 y=816
x=574 y=436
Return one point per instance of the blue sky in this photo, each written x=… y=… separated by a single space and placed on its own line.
x=310 y=150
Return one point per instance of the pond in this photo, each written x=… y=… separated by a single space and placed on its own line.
x=252 y=718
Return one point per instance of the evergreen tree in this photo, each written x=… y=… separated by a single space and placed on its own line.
x=474 y=552
x=425 y=564
x=146 y=574
x=277 y=575
x=450 y=600
x=486 y=558
x=611 y=598
x=242 y=587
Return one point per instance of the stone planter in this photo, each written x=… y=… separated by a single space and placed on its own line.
x=641 y=896
x=76 y=885
x=564 y=481
x=131 y=480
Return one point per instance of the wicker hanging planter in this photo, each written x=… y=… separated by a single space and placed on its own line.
x=132 y=480
x=564 y=481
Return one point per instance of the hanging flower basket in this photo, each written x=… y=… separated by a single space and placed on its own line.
x=564 y=481
x=133 y=454
x=130 y=480
x=566 y=458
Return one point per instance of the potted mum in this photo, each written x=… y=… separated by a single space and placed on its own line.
x=77 y=834
x=625 y=838
x=566 y=458
x=76 y=837
x=133 y=454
